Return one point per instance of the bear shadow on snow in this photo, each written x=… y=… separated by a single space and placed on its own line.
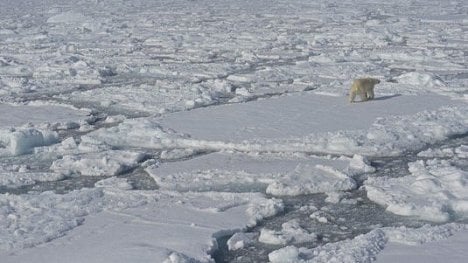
x=387 y=97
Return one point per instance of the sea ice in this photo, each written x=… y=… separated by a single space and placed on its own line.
x=21 y=178
x=362 y=248
x=435 y=190
x=108 y=163
x=147 y=222
x=144 y=60
x=272 y=126
x=68 y=17
x=308 y=179
x=424 y=234
x=240 y=240
x=241 y=172
x=440 y=247
x=291 y=233
x=423 y=80
x=28 y=126
x=368 y=247
x=40 y=114
x=22 y=141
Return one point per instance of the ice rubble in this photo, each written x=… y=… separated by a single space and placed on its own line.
x=360 y=249
x=240 y=240
x=460 y=152
x=13 y=179
x=178 y=58
x=108 y=163
x=366 y=247
x=23 y=141
x=68 y=18
x=424 y=234
x=308 y=179
x=447 y=249
x=291 y=232
x=240 y=173
x=420 y=79
x=160 y=97
x=435 y=190
x=28 y=126
x=30 y=220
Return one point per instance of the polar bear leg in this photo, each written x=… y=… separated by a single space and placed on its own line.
x=352 y=96
x=370 y=93
x=363 y=96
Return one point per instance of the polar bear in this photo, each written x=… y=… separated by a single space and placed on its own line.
x=364 y=87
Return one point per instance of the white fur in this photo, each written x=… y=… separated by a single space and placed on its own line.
x=364 y=88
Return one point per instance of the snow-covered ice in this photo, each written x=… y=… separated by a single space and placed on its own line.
x=24 y=127
x=24 y=141
x=435 y=190
x=240 y=173
x=108 y=163
x=361 y=249
x=21 y=178
x=240 y=240
x=112 y=216
x=150 y=131
x=273 y=125
x=311 y=114
x=366 y=248
x=451 y=249
x=291 y=232
x=40 y=114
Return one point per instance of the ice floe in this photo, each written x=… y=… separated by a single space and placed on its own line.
x=108 y=163
x=21 y=178
x=28 y=126
x=291 y=232
x=40 y=114
x=110 y=212
x=387 y=128
x=435 y=190
x=17 y=142
x=363 y=248
x=240 y=173
x=367 y=247
x=240 y=240
x=156 y=66
x=460 y=152
x=442 y=243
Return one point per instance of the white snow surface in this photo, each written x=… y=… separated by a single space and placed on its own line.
x=435 y=190
x=24 y=127
x=240 y=240
x=378 y=128
x=240 y=173
x=460 y=152
x=452 y=249
x=228 y=99
x=365 y=248
x=22 y=141
x=68 y=18
x=148 y=223
x=107 y=163
x=291 y=232
x=362 y=248
x=276 y=118
x=39 y=114
x=15 y=179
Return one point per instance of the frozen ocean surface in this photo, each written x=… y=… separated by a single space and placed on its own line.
x=220 y=131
